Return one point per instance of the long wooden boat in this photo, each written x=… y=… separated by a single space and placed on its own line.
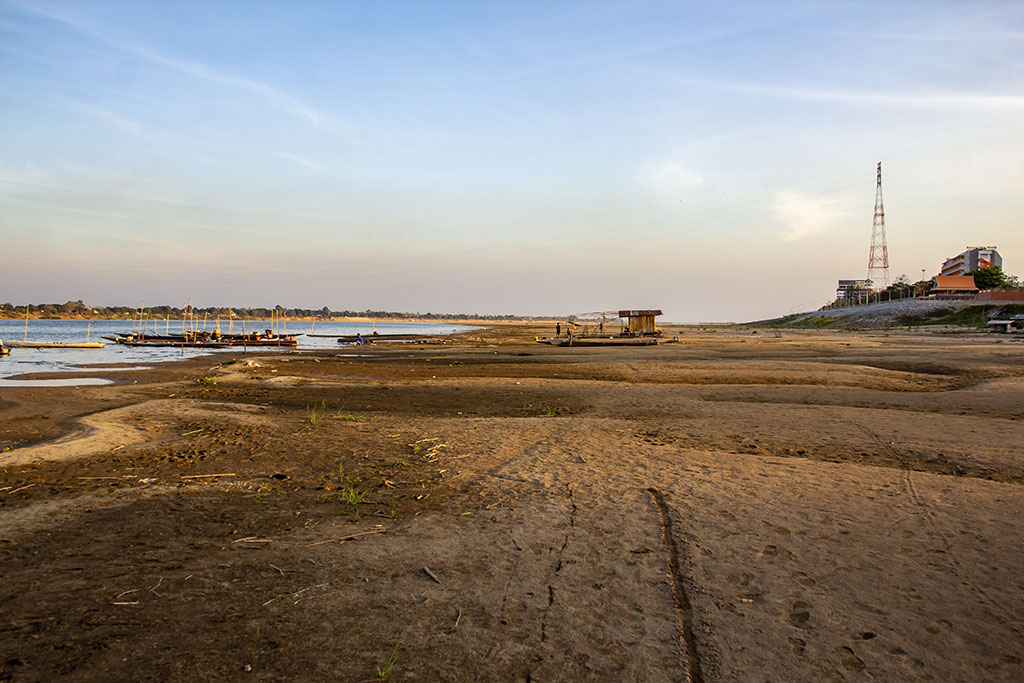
x=261 y=340
x=177 y=344
x=54 y=345
x=598 y=341
x=349 y=338
x=205 y=339
x=169 y=340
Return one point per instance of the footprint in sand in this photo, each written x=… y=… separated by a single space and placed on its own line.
x=938 y=626
x=797 y=646
x=781 y=530
x=799 y=613
x=1004 y=660
x=917 y=668
x=850 y=661
x=773 y=551
x=803 y=579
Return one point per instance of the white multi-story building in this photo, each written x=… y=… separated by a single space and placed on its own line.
x=853 y=290
x=970 y=260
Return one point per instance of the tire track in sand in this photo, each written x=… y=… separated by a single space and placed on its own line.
x=683 y=606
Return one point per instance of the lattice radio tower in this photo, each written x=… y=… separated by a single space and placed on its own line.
x=878 y=257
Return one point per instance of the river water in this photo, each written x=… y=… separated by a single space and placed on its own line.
x=22 y=360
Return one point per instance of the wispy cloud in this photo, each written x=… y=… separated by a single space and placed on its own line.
x=804 y=215
x=918 y=100
x=913 y=37
x=115 y=120
x=302 y=161
x=39 y=181
x=137 y=218
x=195 y=69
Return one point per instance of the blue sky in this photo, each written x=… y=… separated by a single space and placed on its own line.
x=713 y=159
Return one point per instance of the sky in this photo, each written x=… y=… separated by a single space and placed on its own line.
x=712 y=159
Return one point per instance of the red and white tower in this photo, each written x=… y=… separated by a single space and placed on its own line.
x=878 y=257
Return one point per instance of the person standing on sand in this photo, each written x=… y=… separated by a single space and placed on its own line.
x=558 y=329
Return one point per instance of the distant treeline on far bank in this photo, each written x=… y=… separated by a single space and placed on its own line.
x=78 y=310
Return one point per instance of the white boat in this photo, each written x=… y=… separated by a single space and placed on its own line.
x=55 y=345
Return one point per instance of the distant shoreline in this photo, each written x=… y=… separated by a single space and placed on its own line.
x=452 y=320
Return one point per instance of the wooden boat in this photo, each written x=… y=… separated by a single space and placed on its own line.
x=177 y=344
x=4 y=350
x=171 y=340
x=26 y=344
x=599 y=341
x=257 y=339
x=205 y=340
x=55 y=345
x=370 y=338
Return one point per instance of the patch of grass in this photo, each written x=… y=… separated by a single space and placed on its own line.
x=353 y=496
x=456 y=364
x=346 y=418
x=316 y=413
x=350 y=493
x=384 y=669
x=542 y=409
x=206 y=381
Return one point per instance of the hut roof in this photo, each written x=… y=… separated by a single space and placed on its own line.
x=958 y=282
x=639 y=312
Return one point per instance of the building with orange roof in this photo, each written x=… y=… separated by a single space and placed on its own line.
x=954 y=287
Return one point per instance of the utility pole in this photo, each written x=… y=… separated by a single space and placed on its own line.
x=878 y=257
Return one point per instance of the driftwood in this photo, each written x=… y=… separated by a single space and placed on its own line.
x=346 y=538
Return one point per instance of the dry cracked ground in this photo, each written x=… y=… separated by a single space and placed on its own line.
x=740 y=505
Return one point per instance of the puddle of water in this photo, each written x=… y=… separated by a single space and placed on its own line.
x=70 y=382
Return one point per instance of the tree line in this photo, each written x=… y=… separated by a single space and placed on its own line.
x=77 y=309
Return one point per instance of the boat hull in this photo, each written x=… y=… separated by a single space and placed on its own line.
x=54 y=345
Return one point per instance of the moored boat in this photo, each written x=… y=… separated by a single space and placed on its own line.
x=257 y=339
x=55 y=345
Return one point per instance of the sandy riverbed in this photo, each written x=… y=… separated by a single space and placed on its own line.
x=735 y=506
